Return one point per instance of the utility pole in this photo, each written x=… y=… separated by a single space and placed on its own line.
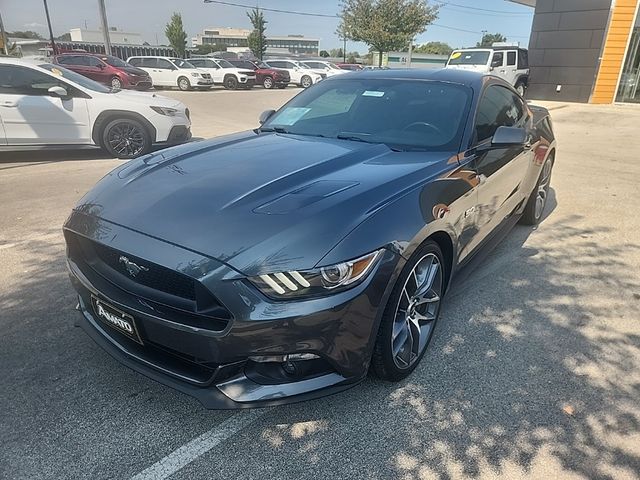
x=410 y=53
x=344 y=48
x=484 y=32
x=5 y=40
x=53 y=41
x=105 y=27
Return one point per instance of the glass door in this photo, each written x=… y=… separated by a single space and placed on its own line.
x=629 y=88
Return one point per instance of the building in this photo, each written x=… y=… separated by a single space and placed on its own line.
x=236 y=40
x=585 y=50
x=95 y=36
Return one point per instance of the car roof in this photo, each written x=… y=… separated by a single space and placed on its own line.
x=489 y=49
x=451 y=75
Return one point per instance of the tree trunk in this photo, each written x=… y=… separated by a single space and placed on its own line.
x=379 y=58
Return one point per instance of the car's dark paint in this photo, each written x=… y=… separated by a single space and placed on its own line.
x=129 y=76
x=280 y=77
x=226 y=209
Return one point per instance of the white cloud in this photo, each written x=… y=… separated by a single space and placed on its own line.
x=34 y=25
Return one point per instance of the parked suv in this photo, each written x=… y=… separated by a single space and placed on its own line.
x=224 y=73
x=106 y=69
x=300 y=75
x=265 y=75
x=325 y=69
x=508 y=62
x=173 y=72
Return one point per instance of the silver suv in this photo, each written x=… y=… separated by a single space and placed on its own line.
x=509 y=62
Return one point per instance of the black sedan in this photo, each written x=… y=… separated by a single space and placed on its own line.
x=286 y=262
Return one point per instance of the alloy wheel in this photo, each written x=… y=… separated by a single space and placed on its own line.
x=520 y=89
x=184 y=84
x=417 y=311
x=543 y=188
x=268 y=82
x=116 y=83
x=126 y=139
x=306 y=81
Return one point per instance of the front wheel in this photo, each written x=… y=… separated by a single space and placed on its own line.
x=521 y=88
x=267 y=83
x=126 y=138
x=410 y=314
x=184 y=84
x=230 y=83
x=306 y=81
x=538 y=198
x=116 y=83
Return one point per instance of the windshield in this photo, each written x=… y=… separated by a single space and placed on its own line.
x=305 y=65
x=402 y=114
x=115 y=61
x=180 y=63
x=262 y=65
x=225 y=64
x=76 y=78
x=334 y=66
x=469 y=57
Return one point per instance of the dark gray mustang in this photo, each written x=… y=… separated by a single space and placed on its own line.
x=286 y=262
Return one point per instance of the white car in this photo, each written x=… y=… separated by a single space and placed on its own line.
x=173 y=72
x=300 y=75
x=226 y=74
x=49 y=106
x=508 y=62
x=326 y=69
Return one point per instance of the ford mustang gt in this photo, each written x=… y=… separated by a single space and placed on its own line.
x=287 y=262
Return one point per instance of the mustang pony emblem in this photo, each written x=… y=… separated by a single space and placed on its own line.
x=133 y=269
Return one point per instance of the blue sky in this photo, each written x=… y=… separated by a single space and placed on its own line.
x=149 y=17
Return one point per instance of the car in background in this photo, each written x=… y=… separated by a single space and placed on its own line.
x=265 y=75
x=173 y=72
x=289 y=261
x=106 y=69
x=299 y=74
x=325 y=69
x=224 y=73
x=48 y=106
x=349 y=66
x=506 y=61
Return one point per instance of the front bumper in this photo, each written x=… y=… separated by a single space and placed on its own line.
x=205 y=354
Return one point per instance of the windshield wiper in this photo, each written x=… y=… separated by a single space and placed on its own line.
x=274 y=129
x=356 y=137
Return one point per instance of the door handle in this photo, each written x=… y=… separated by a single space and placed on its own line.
x=9 y=104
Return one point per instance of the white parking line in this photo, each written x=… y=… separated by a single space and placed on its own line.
x=197 y=447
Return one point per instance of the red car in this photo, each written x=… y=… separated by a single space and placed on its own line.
x=350 y=66
x=266 y=76
x=106 y=69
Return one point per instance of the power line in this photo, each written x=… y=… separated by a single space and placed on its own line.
x=292 y=12
x=480 y=9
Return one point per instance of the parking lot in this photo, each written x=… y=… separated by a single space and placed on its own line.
x=532 y=372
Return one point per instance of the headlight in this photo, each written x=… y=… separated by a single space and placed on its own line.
x=169 y=112
x=316 y=282
x=195 y=74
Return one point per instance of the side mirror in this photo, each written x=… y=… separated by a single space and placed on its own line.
x=509 y=136
x=266 y=115
x=57 y=91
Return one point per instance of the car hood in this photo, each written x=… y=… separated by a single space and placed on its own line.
x=134 y=71
x=145 y=98
x=259 y=202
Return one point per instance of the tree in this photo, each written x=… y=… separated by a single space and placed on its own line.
x=257 y=39
x=176 y=34
x=25 y=34
x=385 y=25
x=434 y=48
x=210 y=48
x=351 y=59
x=324 y=54
x=336 y=53
x=353 y=54
x=65 y=37
x=489 y=38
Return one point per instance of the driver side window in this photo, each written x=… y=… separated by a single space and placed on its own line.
x=498 y=107
x=164 y=64
x=25 y=81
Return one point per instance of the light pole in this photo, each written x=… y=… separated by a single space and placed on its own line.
x=105 y=27
x=4 y=38
x=53 y=41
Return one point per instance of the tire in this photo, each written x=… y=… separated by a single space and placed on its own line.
x=268 y=83
x=116 y=83
x=305 y=81
x=126 y=138
x=184 y=84
x=521 y=88
x=231 y=82
x=397 y=352
x=534 y=209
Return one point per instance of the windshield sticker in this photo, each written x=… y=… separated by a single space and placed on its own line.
x=372 y=93
x=290 y=115
x=456 y=55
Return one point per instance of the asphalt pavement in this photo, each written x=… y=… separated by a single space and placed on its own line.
x=533 y=371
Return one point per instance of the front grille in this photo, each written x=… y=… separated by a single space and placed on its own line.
x=155 y=276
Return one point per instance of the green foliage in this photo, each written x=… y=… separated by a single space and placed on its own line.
x=65 y=37
x=385 y=25
x=351 y=59
x=489 y=38
x=210 y=48
x=257 y=39
x=176 y=34
x=324 y=54
x=336 y=53
x=434 y=48
x=25 y=34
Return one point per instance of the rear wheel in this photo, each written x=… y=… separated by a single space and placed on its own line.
x=184 y=84
x=267 y=83
x=538 y=198
x=116 y=83
x=410 y=314
x=126 y=138
x=230 y=83
x=521 y=88
x=306 y=81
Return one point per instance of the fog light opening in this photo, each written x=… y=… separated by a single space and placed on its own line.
x=277 y=369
